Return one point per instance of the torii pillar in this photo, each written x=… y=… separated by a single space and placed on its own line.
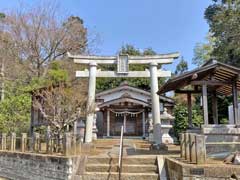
x=91 y=101
x=122 y=62
x=155 y=104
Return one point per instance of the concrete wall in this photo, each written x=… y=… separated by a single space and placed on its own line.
x=19 y=166
x=183 y=171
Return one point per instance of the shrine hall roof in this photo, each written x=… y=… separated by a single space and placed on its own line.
x=126 y=86
x=213 y=73
x=124 y=99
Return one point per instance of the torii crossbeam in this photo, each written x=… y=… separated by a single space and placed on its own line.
x=122 y=62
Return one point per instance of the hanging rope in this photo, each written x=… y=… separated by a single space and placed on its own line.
x=125 y=112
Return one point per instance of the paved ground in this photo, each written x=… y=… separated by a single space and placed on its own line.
x=131 y=148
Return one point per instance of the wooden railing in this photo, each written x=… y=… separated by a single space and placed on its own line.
x=120 y=155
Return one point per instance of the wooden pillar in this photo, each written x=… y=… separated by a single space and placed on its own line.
x=108 y=123
x=235 y=102
x=124 y=122
x=214 y=107
x=189 y=99
x=205 y=104
x=143 y=123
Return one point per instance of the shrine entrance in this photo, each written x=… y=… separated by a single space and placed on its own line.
x=132 y=120
x=129 y=123
x=122 y=62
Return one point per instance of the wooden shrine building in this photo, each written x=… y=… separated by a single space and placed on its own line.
x=127 y=106
x=211 y=79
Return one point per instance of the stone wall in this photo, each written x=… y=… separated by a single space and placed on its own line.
x=221 y=138
x=183 y=171
x=23 y=166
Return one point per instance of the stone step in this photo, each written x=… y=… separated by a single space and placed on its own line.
x=115 y=176
x=147 y=146
x=128 y=161
x=103 y=147
x=125 y=168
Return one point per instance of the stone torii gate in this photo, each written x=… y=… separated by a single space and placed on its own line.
x=122 y=62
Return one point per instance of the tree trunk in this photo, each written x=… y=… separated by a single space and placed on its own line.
x=2 y=81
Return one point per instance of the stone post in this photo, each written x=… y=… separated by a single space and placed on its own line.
x=192 y=147
x=13 y=142
x=187 y=149
x=47 y=139
x=23 y=142
x=36 y=142
x=50 y=143
x=200 y=149
x=67 y=144
x=4 y=141
x=155 y=104
x=75 y=127
x=182 y=145
x=91 y=101
x=74 y=145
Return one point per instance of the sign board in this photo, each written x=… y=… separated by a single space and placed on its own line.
x=122 y=64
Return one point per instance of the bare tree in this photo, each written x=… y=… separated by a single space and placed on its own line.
x=59 y=107
x=38 y=36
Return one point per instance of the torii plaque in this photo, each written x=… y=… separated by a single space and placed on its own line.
x=122 y=62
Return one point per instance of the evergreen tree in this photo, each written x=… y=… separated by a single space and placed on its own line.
x=181 y=67
x=223 y=18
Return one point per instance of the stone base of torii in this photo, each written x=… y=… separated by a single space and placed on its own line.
x=122 y=62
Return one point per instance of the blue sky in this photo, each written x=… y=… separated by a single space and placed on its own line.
x=165 y=25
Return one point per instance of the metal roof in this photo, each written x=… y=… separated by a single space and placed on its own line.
x=211 y=70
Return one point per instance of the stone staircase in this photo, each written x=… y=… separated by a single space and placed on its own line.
x=134 y=168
